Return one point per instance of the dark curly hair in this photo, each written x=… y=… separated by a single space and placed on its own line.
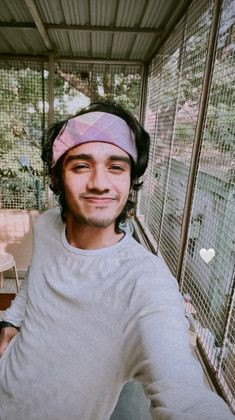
x=137 y=169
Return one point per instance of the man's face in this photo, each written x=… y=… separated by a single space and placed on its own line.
x=96 y=179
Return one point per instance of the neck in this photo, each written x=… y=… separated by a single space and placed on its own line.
x=89 y=237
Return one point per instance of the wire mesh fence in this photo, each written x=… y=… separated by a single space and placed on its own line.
x=174 y=98
x=22 y=120
x=76 y=85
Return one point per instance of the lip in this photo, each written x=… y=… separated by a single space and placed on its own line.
x=99 y=200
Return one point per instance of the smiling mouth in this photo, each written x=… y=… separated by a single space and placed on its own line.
x=100 y=200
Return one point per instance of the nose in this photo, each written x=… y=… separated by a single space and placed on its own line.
x=99 y=180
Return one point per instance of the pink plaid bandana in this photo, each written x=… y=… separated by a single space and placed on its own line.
x=91 y=127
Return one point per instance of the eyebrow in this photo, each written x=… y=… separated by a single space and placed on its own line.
x=84 y=156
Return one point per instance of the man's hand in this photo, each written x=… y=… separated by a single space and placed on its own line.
x=6 y=336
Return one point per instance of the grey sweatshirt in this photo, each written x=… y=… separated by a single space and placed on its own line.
x=92 y=320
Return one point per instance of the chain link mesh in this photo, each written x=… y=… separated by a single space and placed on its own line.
x=173 y=99
x=22 y=119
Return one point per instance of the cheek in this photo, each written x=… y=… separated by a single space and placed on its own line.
x=125 y=186
x=73 y=184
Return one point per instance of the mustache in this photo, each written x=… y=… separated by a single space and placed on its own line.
x=99 y=195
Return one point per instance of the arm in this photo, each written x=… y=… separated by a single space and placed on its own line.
x=15 y=313
x=13 y=317
x=159 y=356
x=6 y=335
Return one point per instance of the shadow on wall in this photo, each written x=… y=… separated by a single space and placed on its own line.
x=16 y=236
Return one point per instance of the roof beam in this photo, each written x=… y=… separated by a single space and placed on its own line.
x=79 y=60
x=82 y=28
x=20 y=25
x=39 y=23
x=89 y=28
x=84 y=60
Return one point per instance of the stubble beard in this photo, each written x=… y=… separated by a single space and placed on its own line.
x=96 y=221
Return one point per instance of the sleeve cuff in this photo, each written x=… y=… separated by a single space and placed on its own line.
x=5 y=324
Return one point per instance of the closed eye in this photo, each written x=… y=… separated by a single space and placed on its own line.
x=80 y=167
x=117 y=168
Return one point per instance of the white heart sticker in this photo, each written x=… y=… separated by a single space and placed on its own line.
x=207 y=254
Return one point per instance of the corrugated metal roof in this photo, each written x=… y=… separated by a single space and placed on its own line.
x=94 y=29
x=21 y=41
x=129 y=13
x=11 y=12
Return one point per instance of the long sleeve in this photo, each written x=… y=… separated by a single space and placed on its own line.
x=159 y=355
x=15 y=313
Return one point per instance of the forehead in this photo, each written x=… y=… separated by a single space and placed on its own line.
x=98 y=151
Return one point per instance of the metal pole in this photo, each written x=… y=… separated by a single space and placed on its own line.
x=51 y=109
x=143 y=91
x=51 y=88
x=38 y=194
x=198 y=134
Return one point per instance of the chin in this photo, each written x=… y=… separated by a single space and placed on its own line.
x=99 y=223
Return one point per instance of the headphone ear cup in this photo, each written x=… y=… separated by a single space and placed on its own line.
x=54 y=185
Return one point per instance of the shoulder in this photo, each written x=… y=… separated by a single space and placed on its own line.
x=48 y=222
x=48 y=216
x=154 y=281
x=154 y=266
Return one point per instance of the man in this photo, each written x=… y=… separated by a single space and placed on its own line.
x=97 y=310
